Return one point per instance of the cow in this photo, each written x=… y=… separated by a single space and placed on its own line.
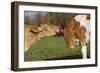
x=78 y=28
x=34 y=33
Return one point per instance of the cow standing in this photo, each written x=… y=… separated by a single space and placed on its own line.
x=78 y=28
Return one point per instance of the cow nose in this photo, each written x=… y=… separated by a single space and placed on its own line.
x=57 y=31
x=71 y=46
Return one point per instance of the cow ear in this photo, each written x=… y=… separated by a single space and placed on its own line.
x=31 y=30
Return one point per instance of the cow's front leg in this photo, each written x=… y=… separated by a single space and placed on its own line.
x=84 y=51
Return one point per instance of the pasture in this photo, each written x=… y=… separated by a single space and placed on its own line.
x=52 y=48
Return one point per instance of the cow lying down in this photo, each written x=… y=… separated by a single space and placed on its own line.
x=35 y=32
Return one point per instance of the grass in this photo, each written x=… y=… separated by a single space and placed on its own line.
x=52 y=48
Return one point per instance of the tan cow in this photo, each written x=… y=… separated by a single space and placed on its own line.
x=34 y=33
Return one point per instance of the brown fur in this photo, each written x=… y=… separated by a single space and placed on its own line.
x=74 y=31
x=33 y=33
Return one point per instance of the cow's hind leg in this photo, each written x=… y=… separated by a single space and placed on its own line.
x=82 y=38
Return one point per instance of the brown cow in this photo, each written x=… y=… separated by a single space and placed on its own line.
x=78 y=29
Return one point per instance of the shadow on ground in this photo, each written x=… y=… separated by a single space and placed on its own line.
x=68 y=57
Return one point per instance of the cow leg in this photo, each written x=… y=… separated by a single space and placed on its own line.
x=84 y=46
x=81 y=34
x=84 y=51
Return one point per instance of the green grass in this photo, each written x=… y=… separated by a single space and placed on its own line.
x=52 y=48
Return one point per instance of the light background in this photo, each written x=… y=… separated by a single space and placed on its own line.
x=5 y=36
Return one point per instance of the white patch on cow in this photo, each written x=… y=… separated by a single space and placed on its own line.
x=84 y=52
x=84 y=22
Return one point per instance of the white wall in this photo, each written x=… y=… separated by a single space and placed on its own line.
x=5 y=40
